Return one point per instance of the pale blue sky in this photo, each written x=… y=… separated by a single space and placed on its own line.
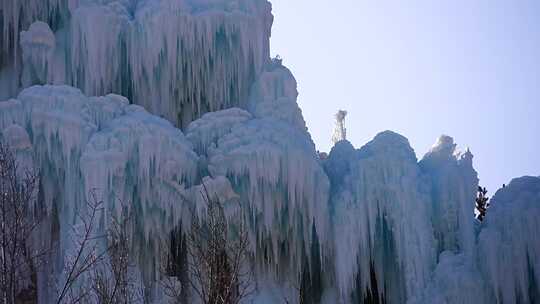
x=469 y=69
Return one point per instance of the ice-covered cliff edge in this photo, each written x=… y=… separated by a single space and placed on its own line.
x=83 y=143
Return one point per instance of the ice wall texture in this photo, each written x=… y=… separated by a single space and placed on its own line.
x=376 y=210
x=178 y=59
x=454 y=183
x=509 y=243
x=382 y=220
x=132 y=157
x=273 y=166
x=84 y=143
x=370 y=223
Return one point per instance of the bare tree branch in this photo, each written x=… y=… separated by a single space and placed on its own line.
x=219 y=268
x=112 y=281
x=87 y=254
x=18 y=221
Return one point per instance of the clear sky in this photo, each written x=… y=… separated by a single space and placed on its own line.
x=469 y=69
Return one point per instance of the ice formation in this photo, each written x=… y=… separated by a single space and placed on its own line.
x=454 y=281
x=274 y=95
x=382 y=221
x=178 y=59
x=103 y=143
x=369 y=224
x=38 y=44
x=282 y=182
x=509 y=243
x=454 y=183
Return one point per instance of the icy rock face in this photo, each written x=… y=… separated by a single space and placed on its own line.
x=454 y=183
x=141 y=159
x=126 y=154
x=96 y=48
x=410 y=224
x=131 y=157
x=381 y=222
x=178 y=59
x=273 y=167
x=509 y=242
x=202 y=59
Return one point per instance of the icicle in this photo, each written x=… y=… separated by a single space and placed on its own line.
x=283 y=187
x=382 y=217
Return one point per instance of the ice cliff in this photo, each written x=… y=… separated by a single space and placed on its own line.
x=205 y=104
x=178 y=59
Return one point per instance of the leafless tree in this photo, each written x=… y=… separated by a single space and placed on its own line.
x=218 y=248
x=87 y=253
x=112 y=281
x=482 y=203
x=106 y=266
x=18 y=220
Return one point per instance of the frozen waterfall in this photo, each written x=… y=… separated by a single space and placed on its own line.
x=150 y=101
